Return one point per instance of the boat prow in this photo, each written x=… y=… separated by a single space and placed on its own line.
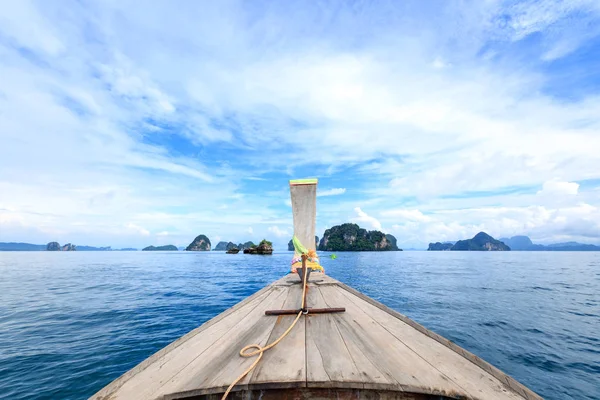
x=369 y=351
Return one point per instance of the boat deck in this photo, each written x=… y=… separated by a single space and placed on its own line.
x=368 y=347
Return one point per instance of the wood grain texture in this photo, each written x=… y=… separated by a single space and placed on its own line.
x=286 y=362
x=333 y=361
x=368 y=347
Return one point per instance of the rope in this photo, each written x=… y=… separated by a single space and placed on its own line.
x=260 y=350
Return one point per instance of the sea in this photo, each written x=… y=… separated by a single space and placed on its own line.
x=71 y=322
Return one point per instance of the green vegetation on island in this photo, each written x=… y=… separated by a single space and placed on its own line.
x=480 y=242
x=351 y=237
x=224 y=246
x=53 y=246
x=264 y=247
x=247 y=245
x=200 y=243
x=437 y=246
x=168 y=247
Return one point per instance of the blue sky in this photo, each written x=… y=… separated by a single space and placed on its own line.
x=130 y=125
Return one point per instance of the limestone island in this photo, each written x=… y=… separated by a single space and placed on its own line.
x=55 y=246
x=224 y=246
x=438 y=246
x=351 y=237
x=233 y=250
x=480 y=242
x=264 y=247
x=168 y=247
x=201 y=243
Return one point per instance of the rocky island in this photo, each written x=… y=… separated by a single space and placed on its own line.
x=224 y=246
x=437 y=246
x=524 y=243
x=201 y=243
x=480 y=242
x=55 y=246
x=168 y=247
x=351 y=237
x=264 y=247
x=247 y=245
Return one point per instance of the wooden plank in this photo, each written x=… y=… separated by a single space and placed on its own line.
x=322 y=279
x=394 y=359
x=331 y=361
x=476 y=381
x=146 y=378
x=286 y=362
x=221 y=363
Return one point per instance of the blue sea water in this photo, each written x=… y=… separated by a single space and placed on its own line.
x=71 y=322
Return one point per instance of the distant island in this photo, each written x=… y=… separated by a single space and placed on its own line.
x=200 y=243
x=264 y=247
x=224 y=246
x=53 y=246
x=14 y=246
x=345 y=237
x=351 y=237
x=291 y=244
x=437 y=246
x=524 y=243
x=168 y=247
x=480 y=242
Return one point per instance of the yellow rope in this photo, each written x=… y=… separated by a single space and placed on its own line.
x=260 y=350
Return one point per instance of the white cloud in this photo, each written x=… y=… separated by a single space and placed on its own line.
x=138 y=229
x=410 y=215
x=331 y=192
x=557 y=188
x=279 y=232
x=367 y=221
x=250 y=230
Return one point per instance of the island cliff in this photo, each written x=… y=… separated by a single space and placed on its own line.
x=201 y=243
x=351 y=237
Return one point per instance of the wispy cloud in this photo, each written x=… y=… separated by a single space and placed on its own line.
x=366 y=220
x=331 y=192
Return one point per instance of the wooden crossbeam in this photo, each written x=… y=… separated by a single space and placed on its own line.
x=308 y=311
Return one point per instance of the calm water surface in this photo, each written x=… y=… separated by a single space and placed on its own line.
x=72 y=322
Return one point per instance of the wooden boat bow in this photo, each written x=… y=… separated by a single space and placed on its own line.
x=368 y=349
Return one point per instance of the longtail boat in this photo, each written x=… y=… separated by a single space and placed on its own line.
x=309 y=336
